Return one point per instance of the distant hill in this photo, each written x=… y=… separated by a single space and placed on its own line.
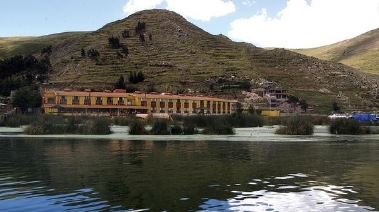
x=177 y=56
x=361 y=52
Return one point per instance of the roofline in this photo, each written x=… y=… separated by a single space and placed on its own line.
x=137 y=94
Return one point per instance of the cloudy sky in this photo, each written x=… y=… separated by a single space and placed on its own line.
x=264 y=23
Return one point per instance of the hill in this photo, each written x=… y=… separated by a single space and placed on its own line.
x=361 y=52
x=177 y=56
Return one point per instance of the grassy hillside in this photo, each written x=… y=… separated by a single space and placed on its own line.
x=361 y=52
x=177 y=56
x=10 y=46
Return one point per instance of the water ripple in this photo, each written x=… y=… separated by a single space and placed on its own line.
x=30 y=196
x=288 y=196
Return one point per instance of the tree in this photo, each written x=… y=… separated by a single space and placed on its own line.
x=292 y=99
x=132 y=77
x=303 y=105
x=120 y=84
x=336 y=108
x=135 y=77
x=47 y=50
x=19 y=71
x=119 y=55
x=93 y=54
x=142 y=37
x=114 y=42
x=251 y=109
x=131 y=88
x=141 y=27
x=140 y=77
x=125 y=34
x=27 y=97
x=125 y=50
x=239 y=108
x=83 y=52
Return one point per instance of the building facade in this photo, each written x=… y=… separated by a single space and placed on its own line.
x=119 y=103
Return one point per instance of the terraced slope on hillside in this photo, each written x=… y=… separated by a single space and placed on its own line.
x=176 y=55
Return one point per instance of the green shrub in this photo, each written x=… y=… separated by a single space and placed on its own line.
x=123 y=121
x=189 y=128
x=296 y=125
x=68 y=125
x=160 y=127
x=219 y=126
x=235 y=120
x=36 y=129
x=198 y=121
x=270 y=121
x=176 y=130
x=315 y=120
x=18 y=120
x=46 y=125
x=242 y=120
x=137 y=127
x=347 y=126
x=72 y=125
x=219 y=129
x=97 y=126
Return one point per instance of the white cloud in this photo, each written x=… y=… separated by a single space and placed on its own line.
x=248 y=3
x=203 y=10
x=304 y=24
x=133 y=6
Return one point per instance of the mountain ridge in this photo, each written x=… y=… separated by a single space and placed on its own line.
x=179 y=56
x=360 y=52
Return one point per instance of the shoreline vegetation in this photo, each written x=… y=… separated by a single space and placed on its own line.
x=296 y=126
x=182 y=125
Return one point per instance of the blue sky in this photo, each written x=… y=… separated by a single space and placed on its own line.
x=265 y=23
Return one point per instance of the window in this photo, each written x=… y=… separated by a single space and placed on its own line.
x=170 y=103
x=120 y=100
x=194 y=105
x=129 y=102
x=99 y=100
x=143 y=102
x=50 y=100
x=162 y=103
x=178 y=104
x=63 y=100
x=87 y=100
x=75 y=100
x=109 y=100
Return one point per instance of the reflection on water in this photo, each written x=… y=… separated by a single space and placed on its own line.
x=277 y=195
x=53 y=174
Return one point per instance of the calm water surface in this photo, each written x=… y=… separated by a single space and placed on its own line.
x=52 y=174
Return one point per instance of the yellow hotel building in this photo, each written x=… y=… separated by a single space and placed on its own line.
x=121 y=103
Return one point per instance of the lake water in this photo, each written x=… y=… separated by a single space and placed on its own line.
x=251 y=171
